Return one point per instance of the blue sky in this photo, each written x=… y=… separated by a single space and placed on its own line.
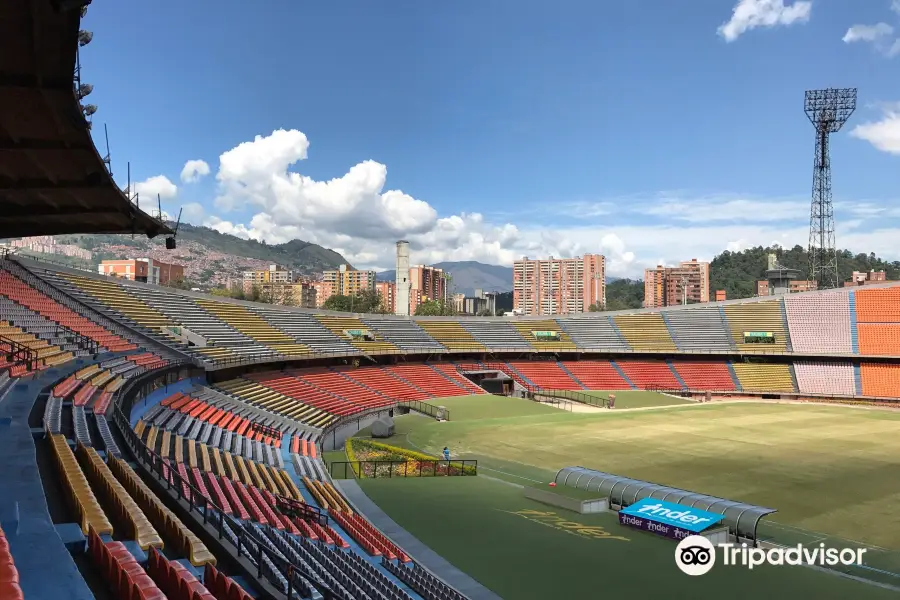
x=642 y=130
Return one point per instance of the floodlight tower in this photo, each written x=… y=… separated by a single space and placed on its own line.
x=827 y=110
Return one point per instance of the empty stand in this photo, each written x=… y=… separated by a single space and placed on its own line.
x=757 y=317
x=820 y=322
x=403 y=333
x=825 y=378
x=878 y=305
x=431 y=380
x=254 y=326
x=649 y=374
x=701 y=328
x=451 y=334
x=763 y=377
x=880 y=380
x=79 y=494
x=878 y=339
x=496 y=334
x=383 y=382
x=705 y=375
x=597 y=374
x=451 y=372
x=593 y=333
x=306 y=329
x=532 y=332
x=547 y=375
x=645 y=331
x=354 y=330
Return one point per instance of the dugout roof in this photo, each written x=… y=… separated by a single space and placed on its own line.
x=52 y=180
x=740 y=518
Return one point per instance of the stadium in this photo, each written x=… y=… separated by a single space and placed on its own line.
x=161 y=443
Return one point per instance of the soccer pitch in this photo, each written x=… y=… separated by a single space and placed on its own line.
x=832 y=473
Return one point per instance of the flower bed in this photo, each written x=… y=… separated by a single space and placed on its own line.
x=375 y=459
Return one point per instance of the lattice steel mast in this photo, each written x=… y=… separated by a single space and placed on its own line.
x=827 y=110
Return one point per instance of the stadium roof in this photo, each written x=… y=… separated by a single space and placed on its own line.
x=52 y=180
x=740 y=518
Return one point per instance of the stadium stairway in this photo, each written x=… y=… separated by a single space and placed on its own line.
x=546 y=374
x=45 y=565
x=625 y=344
x=857 y=379
x=450 y=371
x=597 y=374
x=440 y=385
x=727 y=326
x=625 y=378
x=522 y=379
x=565 y=369
x=671 y=331
x=734 y=377
x=854 y=330
x=678 y=377
x=649 y=374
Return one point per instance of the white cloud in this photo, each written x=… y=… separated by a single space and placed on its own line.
x=357 y=216
x=867 y=33
x=895 y=6
x=194 y=170
x=157 y=185
x=192 y=212
x=750 y=14
x=708 y=210
x=884 y=134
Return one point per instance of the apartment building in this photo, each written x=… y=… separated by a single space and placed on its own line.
x=558 y=286
x=145 y=270
x=688 y=283
x=347 y=281
x=387 y=291
x=274 y=274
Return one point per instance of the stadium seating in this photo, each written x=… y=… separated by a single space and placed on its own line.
x=645 y=331
x=343 y=327
x=825 y=378
x=385 y=383
x=9 y=575
x=126 y=578
x=649 y=374
x=306 y=329
x=496 y=335
x=597 y=374
x=403 y=333
x=343 y=386
x=255 y=394
x=528 y=328
x=20 y=292
x=594 y=332
x=763 y=377
x=878 y=305
x=451 y=371
x=763 y=317
x=879 y=339
x=699 y=328
x=880 y=380
x=255 y=327
x=431 y=380
x=78 y=491
x=547 y=375
x=451 y=334
x=705 y=375
x=820 y=323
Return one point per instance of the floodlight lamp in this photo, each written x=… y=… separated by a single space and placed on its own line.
x=89 y=110
x=84 y=90
x=85 y=37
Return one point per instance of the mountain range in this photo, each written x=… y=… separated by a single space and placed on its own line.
x=468 y=276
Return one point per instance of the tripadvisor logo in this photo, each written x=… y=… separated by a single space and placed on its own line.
x=554 y=521
x=696 y=555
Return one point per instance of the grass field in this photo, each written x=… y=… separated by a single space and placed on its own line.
x=832 y=472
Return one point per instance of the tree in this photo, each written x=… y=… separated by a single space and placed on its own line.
x=596 y=307
x=435 y=308
x=223 y=292
x=366 y=301
x=178 y=284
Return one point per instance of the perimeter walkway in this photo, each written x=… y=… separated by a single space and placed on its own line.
x=45 y=565
x=424 y=555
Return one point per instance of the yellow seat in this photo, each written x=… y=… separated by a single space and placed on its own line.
x=81 y=497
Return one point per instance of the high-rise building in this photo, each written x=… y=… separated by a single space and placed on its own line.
x=347 y=281
x=559 y=286
x=796 y=285
x=386 y=290
x=324 y=291
x=721 y=296
x=274 y=274
x=688 y=283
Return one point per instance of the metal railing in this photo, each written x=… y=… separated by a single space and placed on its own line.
x=572 y=395
x=210 y=512
x=19 y=353
x=430 y=410
x=375 y=469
